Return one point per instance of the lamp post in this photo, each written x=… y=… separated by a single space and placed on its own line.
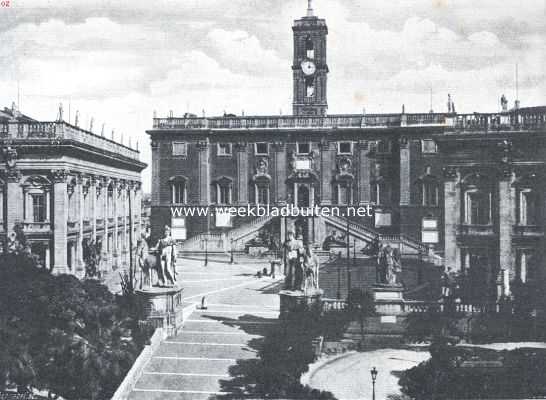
x=374 y=376
x=206 y=251
x=231 y=260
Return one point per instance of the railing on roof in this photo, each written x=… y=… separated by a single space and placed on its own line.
x=63 y=130
x=287 y=122
x=529 y=119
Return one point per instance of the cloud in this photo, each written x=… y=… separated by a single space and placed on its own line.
x=119 y=62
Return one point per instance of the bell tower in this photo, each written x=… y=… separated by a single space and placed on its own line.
x=309 y=68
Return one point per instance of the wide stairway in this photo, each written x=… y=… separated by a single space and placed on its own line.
x=420 y=278
x=206 y=358
x=217 y=242
x=364 y=234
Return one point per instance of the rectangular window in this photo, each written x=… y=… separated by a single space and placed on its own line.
x=428 y=146
x=178 y=195
x=224 y=149
x=224 y=193
x=263 y=195
x=304 y=148
x=38 y=208
x=529 y=206
x=345 y=148
x=261 y=149
x=180 y=149
x=479 y=208
x=430 y=194
x=383 y=147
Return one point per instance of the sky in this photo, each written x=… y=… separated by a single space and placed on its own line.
x=119 y=61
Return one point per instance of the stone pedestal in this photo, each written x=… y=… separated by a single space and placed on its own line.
x=163 y=308
x=294 y=302
x=388 y=299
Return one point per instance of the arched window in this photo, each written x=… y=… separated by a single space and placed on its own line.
x=309 y=86
x=309 y=48
x=179 y=190
x=110 y=200
x=224 y=187
x=477 y=200
x=36 y=190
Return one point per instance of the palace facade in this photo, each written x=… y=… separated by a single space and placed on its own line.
x=467 y=189
x=68 y=188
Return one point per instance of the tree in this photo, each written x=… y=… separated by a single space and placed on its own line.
x=72 y=338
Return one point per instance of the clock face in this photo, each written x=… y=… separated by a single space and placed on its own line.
x=308 y=67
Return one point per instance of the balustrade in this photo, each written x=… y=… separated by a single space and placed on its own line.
x=518 y=120
x=63 y=130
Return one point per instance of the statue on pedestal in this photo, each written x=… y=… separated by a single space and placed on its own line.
x=310 y=270
x=389 y=263
x=294 y=259
x=166 y=249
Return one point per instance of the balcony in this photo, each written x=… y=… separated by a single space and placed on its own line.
x=37 y=227
x=64 y=131
x=476 y=230
x=528 y=230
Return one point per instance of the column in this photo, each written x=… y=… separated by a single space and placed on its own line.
x=327 y=163
x=204 y=172
x=115 y=201
x=47 y=257
x=363 y=173
x=132 y=202
x=452 y=196
x=280 y=172
x=105 y=249
x=242 y=173
x=138 y=210
x=79 y=185
x=125 y=210
x=93 y=205
x=156 y=178
x=507 y=219
x=14 y=199
x=405 y=186
x=60 y=219
x=295 y=194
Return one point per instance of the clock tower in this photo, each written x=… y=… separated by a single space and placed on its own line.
x=309 y=68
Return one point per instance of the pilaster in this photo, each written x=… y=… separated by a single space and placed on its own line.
x=242 y=173
x=405 y=186
x=280 y=172
x=363 y=172
x=204 y=172
x=327 y=162
x=60 y=218
x=507 y=219
x=452 y=199
x=156 y=178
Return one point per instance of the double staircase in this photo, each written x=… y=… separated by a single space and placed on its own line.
x=222 y=242
x=407 y=245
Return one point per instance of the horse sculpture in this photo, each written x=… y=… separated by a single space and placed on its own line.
x=157 y=265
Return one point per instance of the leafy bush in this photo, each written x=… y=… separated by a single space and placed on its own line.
x=72 y=338
x=522 y=375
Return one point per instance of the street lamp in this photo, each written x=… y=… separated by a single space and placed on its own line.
x=374 y=376
x=231 y=260
x=206 y=251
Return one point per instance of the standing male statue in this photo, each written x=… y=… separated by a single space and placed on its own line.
x=166 y=249
x=294 y=259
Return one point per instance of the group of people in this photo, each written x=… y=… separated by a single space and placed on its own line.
x=303 y=265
